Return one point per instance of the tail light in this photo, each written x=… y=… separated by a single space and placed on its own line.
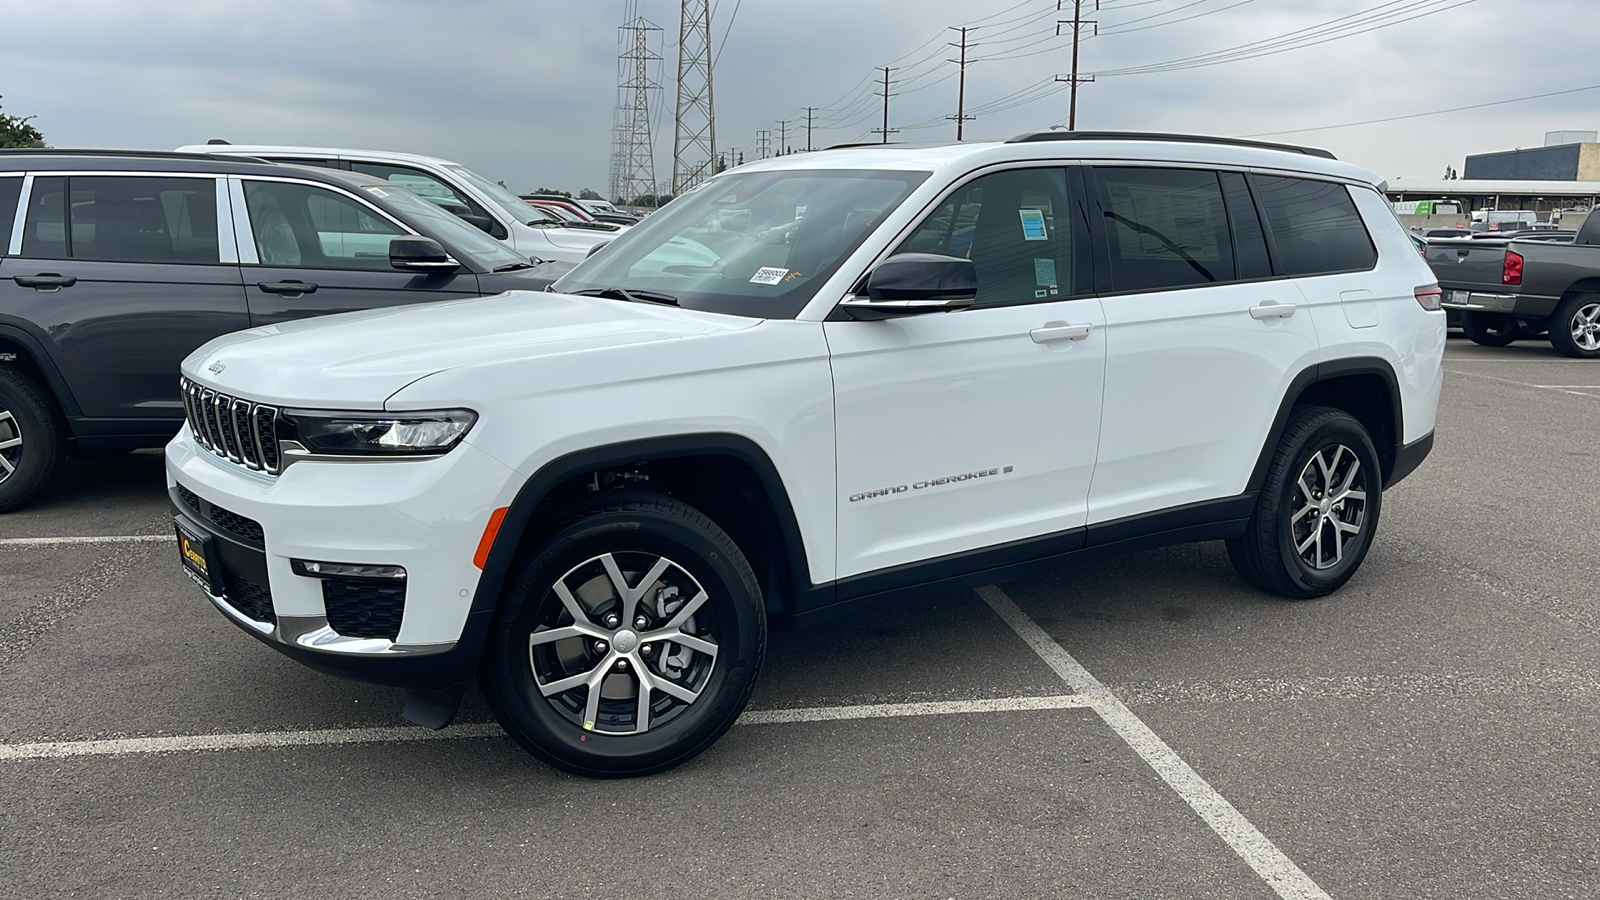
x=1428 y=296
x=1511 y=271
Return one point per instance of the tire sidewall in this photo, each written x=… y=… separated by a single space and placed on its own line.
x=529 y=716
x=1481 y=328
x=1561 y=327
x=41 y=450
x=1338 y=429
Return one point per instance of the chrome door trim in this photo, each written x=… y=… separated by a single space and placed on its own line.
x=227 y=249
x=14 y=246
x=244 y=236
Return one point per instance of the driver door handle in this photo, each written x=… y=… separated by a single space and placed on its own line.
x=1272 y=310
x=47 y=282
x=1059 y=331
x=286 y=287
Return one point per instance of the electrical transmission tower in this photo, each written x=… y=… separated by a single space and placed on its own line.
x=1077 y=22
x=637 y=175
x=763 y=144
x=622 y=112
x=961 y=117
x=886 y=130
x=694 y=144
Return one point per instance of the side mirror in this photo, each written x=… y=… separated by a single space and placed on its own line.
x=420 y=254
x=913 y=283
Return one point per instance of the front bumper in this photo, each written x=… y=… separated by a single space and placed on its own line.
x=424 y=515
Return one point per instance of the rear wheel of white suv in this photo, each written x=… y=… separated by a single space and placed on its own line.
x=630 y=641
x=1315 y=516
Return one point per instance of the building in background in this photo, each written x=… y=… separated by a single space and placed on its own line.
x=1565 y=156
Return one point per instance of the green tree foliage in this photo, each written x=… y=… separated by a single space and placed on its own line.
x=16 y=132
x=552 y=192
x=651 y=200
x=589 y=194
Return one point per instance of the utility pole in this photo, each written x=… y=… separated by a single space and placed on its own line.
x=783 y=136
x=763 y=144
x=1077 y=23
x=886 y=130
x=694 y=142
x=809 y=111
x=961 y=117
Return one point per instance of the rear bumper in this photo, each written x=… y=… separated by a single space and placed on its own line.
x=1523 y=306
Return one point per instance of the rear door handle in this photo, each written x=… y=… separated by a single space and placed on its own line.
x=1272 y=310
x=1059 y=331
x=287 y=287
x=47 y=282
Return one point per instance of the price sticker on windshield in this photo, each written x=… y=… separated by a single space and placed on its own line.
x=768 y=275
x=1033 y=225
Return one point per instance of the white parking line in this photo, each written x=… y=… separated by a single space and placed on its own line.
x=91 y=539
x=337 y=736
x=1274 y=867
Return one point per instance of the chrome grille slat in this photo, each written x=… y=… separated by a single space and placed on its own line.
x=242 y=432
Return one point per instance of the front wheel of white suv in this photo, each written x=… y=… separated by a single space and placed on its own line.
x=1316 y=513
x=630 y=641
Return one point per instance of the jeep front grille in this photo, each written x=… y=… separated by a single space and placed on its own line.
x=237 y=430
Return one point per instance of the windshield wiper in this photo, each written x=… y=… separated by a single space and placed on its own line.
x=629 y=294
x=512 y=267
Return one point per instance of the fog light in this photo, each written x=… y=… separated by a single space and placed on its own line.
x=313 y=569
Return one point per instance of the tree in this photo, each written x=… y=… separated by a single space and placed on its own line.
x=651 y=201
x=16 y=132
x=552 y=192
x=589 y=194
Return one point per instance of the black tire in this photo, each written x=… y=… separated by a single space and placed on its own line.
x=1575 y=327
x=637 y=531
x=1491 y=329
x=1273 y=554
x=26 y=414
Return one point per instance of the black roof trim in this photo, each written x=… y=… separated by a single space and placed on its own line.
x=1042 y=136
x=124 y=154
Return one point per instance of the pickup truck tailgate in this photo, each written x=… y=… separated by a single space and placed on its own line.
x=1467 y=265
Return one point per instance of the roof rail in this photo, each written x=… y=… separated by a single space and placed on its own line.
x=135 y=154
x=1041 y=136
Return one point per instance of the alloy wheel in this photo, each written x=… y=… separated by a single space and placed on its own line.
x=1329 y=506
x=10 y=444
x=1585 y=326
x=624 y=642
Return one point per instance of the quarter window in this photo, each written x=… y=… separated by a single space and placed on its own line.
x=301 y=226
x=1014 y=226
x=1164 y=228
x=1314 y=225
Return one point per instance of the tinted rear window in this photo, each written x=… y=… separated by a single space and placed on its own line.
x=10 y=190
x=123 y=219
x=1314 y=225
x=1164 y=228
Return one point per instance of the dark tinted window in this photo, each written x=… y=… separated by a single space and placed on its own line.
x=1314 y=225
x=1164 y=228
x=303 y=226
x=44 y=232
x=10 y=190
x=1249 y=241
x=1014 y=227
x=156 y=220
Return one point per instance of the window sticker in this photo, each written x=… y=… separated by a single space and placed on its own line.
x=1033 y=225
x=1044 y=272
x=768 y=275
x=377 y=192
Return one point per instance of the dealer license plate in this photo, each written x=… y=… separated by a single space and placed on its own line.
x=198 y=556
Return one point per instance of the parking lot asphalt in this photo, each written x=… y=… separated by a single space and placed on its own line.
x=1140 y=727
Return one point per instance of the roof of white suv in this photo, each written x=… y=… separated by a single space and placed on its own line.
x=1080 y=147
x=312 y=152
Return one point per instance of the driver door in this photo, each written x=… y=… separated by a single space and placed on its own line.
x=978 y=428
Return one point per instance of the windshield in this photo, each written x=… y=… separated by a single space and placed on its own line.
x=430 y=219
x=511 y=203
x=751 y=244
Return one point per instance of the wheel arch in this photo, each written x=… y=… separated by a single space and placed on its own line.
x=748 y=499
x=1581 y=286
x=32 y=359
x=1365 y=387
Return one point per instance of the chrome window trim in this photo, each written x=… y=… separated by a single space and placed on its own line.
x=244 y=236
x=227 y=250
x=14 y=245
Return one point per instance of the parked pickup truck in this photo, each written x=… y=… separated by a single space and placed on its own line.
x=1517 y=288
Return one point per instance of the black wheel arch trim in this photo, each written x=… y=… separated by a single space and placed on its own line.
x=41 y=359
x=1327 y=371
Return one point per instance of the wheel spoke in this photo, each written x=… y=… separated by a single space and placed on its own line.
x=574 y=608
x=641 y=716
x=7 y=445
x=6 y=464
x=687 y=610
x=1317 y=562
x=1350 y=478
x=591 y=708
x=1310 y=539
x=1346 y=527
x=694 y=643
x=673 y=689
x=1338 y=544
x=1304 y=511
x=562 y=685
x=1353 y=494
x=566 y=631
x=1305 y=489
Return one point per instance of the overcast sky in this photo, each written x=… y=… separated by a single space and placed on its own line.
x=523 y=91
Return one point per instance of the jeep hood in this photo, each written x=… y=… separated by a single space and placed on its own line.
x=357 y=360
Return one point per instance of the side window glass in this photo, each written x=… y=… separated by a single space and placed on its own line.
x=298 y=225
x=44 y=232
x=10 y=192
x=1315 y=226
x=430 y=188
x=1249 y=241
x=151 y=220
x=1014 y=227
x=1164 y=228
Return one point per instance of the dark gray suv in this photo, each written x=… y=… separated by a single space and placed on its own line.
x=114 y=266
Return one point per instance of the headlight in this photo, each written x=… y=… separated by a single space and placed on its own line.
x=326 y=433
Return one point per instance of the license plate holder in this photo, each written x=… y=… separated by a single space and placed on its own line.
x=1459 y=297
x=199 y=556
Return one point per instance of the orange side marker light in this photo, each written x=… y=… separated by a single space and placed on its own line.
x=489 y=532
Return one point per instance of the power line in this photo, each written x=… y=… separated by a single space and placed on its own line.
x=1436 y=112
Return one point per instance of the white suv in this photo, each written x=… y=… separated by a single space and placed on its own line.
x=811 y=380
x=484 y=203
